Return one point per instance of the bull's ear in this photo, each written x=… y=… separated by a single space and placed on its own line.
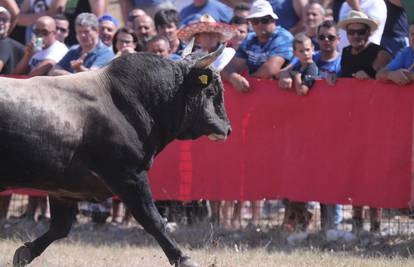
x=206 y=61
x=198 y=79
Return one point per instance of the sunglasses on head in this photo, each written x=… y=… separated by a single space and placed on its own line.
x=357 y=31
x=327 y=37
x=62 y=30
x=262 y=20
x=42 y=32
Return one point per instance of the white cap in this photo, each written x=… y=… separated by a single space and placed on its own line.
x=261 y=8
x=4 y=10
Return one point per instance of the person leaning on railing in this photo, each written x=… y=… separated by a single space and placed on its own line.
x=400 y=69
x=264 y=52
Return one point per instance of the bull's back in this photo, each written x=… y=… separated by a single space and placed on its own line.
x=40 y=127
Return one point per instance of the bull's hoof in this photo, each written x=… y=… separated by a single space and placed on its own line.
x=186 y=262
x=22 y=257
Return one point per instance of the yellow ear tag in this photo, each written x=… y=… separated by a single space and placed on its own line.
x=203 y=79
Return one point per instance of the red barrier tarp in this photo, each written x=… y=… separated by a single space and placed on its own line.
x=350 y=143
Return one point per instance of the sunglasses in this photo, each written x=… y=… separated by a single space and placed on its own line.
x=359 y=32
x=42 y=32
x=62 y=30
x=262 y=20
x=330 y=38
x=4 y=20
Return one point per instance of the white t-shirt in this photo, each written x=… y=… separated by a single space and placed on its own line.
x=374 y=9
x=54 y=52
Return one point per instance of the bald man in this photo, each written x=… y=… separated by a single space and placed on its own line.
x=144 y=27
x=39 y=62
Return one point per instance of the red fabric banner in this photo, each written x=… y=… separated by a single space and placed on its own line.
x=350 y=143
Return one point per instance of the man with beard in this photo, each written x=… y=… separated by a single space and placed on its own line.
x=264 y=52
x=144 y=27
x=362 y=59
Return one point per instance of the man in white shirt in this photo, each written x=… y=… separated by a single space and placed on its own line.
x=374 y=9
x=39 y=62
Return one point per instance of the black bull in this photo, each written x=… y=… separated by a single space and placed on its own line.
x=90 y=135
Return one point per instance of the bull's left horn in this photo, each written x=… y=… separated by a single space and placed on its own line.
x=188 y=49
x=206 y=61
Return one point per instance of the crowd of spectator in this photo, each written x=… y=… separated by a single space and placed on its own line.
x=292 y=41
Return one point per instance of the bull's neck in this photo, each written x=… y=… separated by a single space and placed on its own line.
x=152 y=110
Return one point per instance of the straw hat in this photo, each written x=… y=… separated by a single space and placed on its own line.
x=358 y=17
x=207 y=24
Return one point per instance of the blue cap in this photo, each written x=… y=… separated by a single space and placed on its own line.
x=108 y=18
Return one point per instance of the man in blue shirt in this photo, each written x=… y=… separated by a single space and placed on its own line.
x=400 y=69
x=192 y=13
x=264 y=52
x=90 y=54
x=327 y=58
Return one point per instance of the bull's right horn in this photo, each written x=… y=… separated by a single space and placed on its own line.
x=206 y=61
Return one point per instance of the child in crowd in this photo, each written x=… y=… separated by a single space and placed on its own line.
x=305 y=74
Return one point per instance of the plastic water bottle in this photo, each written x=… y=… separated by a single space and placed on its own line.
x=38 y=44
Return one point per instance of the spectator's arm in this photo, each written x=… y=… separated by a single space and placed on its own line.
x=57 y=70
x=126 y=6
x=270 y=69
x=354 y=4
x=23 y=65
x=42 y=68
x=98 y=7
x=382 y=59
x=299 y=6
x=1 y=65
x=27 y=18
x=231 y=74
x=396 y=2
x=400 y=76
x=285 y=77
x=301 y=88
x=14 y=10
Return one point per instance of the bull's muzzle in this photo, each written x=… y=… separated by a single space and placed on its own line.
x=220 y=137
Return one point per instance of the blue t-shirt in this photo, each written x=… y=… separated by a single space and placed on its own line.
x=98 y=57
x=286 y=12
x=324 y=67
x=257 y=53
x=219 y=11
x=147 y=3
x=403 y=60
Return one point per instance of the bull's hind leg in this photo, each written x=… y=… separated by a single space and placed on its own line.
x=135 y=192
x=61 y=221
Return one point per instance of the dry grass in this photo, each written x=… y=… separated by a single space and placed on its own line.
x=83 y=255
x=109 y=245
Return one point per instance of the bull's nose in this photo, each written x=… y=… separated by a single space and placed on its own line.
x=228 y=131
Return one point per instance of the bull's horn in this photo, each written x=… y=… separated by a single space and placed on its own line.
x=188 y=49
x=206 y=61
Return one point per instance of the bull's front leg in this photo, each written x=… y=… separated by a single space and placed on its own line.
x=134 y=190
